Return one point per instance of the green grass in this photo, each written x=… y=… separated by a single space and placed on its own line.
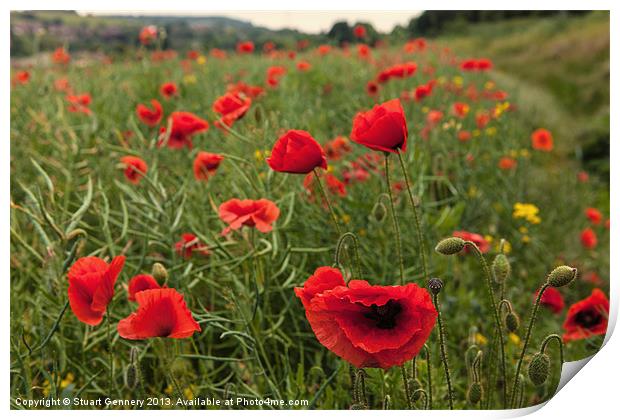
x=275 y=354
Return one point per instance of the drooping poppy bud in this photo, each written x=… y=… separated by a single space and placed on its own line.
x=450 y=246
x=538 y=370
x=561 y=276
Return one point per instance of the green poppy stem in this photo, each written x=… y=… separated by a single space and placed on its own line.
x=394 y=220
x=442 y=348
x=416 y=217
x=526 y=341
x=329 y=204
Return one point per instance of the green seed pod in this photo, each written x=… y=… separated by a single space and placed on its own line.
x=561 y=276
x=501 y=268
x=538 y=370
x=160 y=273
x=435 y=285
x=512 y=322
x=474 y=394
x=414 y=385
x=450 y=246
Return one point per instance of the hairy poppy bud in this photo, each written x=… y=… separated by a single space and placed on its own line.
x=379 y=212
x=160 y=273
x=561 y=276
x=450 y=246
x=435 y=285
x=538 y=371
x=131 y=377
x=414 y=385
x=474 y=394
x=512 y=322
x=501 y=268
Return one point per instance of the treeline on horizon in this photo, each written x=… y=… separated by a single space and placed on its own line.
x=39 y=31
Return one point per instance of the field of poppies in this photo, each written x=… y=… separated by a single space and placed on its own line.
x=299 y=227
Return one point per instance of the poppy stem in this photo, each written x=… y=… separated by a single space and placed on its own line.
x=526 y=341
x=110 y=355
x=394 y=220
x=416 y=217
x=498 y=322
x=406 y=383
x=442 y=348
x=329 y=204
x=428 y=372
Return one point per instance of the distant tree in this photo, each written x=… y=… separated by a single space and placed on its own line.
x=341 y=32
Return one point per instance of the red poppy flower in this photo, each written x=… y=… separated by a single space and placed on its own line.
x=372 y=88
x=434 y=117
x=588 y=238
x=189 y=244
x=62 y=85
x=217 y=53
x=479 y=240
x=231 y=107
x=552 y=299
x=246 y=47
x=363 y=51
x=150 y=117
x=382 y=128
x=542 y=140
x=582 y=176
x=397 y=71
x=483 y=119
x=161 y=313
x=184 y=126
x=594 y=215
x=296 y=152
x=468 y=64
x=369 y=326
x=192 y=55
x=359 y=31
x=303 y=65
x=274 y=73
x=135 y=168
x=206 y=164
x=247 y=90
x=139 y=283
x=336 y=148
x=507 y=163
x=588 y=317
x=323 y=49
x=168 y=90
x=79 y=103
x=91 y=287
x=22 y=77
x=60 y=56
x=147 y=34
x=460 y=109
x=253 y=213
x=422 y=91
x=484 y=64
x=463 y=136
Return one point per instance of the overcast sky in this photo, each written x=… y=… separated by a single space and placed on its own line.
x=306 y=21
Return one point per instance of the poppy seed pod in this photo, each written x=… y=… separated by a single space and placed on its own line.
x=450 y=246
x=561 y=276
x=538 y=371
x=159 y=272
x=474 y=393
x=512 y=322
x=501 y=268
x=435 y=285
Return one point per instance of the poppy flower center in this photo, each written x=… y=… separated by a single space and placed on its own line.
x=588 y=318
x=384 y=316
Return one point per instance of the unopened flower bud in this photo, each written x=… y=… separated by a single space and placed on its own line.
x=512 y=322
x=474 y=393
x=160 y=273
x=414 y=385
x=435 y=285
x=501 y=268
x=561 y=276
x=538 y=370
x=131 y=376
x=379 y=212
x=450 y=246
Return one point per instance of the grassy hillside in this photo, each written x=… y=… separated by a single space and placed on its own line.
x=560 y=67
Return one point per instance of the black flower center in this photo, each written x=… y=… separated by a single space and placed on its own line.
x=588 y=318
x=384 y=316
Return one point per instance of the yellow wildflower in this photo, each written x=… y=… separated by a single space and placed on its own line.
x=457 y=80
x=526 y=239
x=425 y=109
x=189 y=79
x=526 y=211
x=514 y=338
x=491 y=131
x=346 y=219
x=475 y=133
x=69 y=378
x=202 y=60
x=481 y=339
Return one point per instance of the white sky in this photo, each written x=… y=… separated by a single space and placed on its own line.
x=306 y=21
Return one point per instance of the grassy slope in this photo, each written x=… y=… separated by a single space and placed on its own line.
x=559 y=69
